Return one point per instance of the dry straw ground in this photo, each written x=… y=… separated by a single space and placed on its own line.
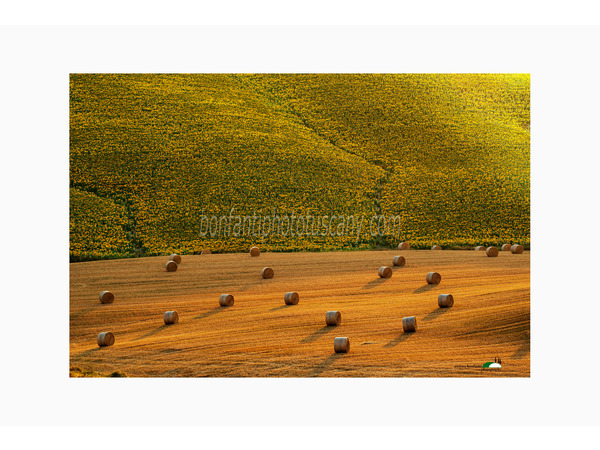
x=262 y=337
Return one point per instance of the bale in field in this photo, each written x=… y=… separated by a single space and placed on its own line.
x=175 y=257
x=433 y=278
x=341 y=345
x=105 y=339
x=445 y=300
x=385 y=272
x=506 y=247
x=333 y=318
x=171 y=317
x=254 y=251
x=491 y=251
x=291 y=298
x=404 y=246
x=409 y=324
x=267 y=272
x=436 y=247
x=480 y=247
x=206 y=251
x=171 y=266
x=106 y=297
x=399 y=261
x=517 y=249
x=226 y=300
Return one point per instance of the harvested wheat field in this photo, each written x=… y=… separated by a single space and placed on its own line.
x=261 y=336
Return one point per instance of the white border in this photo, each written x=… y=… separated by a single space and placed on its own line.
x=306 y=13
x=562 y=389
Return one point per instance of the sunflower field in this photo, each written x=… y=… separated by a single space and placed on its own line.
x=152 y=155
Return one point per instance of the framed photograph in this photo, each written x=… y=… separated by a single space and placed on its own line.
x=299 y=225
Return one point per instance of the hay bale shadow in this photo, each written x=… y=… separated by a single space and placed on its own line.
x=153 y=332
x=211 y=312
x=170 y=350
x=317 y=334
x=325 y=364
x=435 y=313
x=280 y=307
x=87 y=352
x=398 y=340
x=376 y=282
x=425 y=288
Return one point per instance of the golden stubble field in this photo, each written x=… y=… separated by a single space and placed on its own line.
x=259 y=336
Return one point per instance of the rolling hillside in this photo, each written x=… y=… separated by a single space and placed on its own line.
x=151 y=154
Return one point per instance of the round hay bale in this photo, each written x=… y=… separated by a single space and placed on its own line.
x=291 y=298
x=333 y=318
x=171 y=317
x=226 y=300
x=404 y=246
x=506 y=247
x=409 y=324
x=206 y=251
x=517 y=249
x=105 y=339
x=385 y=272
x=433 y=278
x=171 y=266
x=445 y=300
x=267 y=272
x=106 y=297
x=436 y=247
x=341 y=345
x=399 y=261
x=479 y=248
x=491 y=251
x=254 y=251
x=175 y=257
